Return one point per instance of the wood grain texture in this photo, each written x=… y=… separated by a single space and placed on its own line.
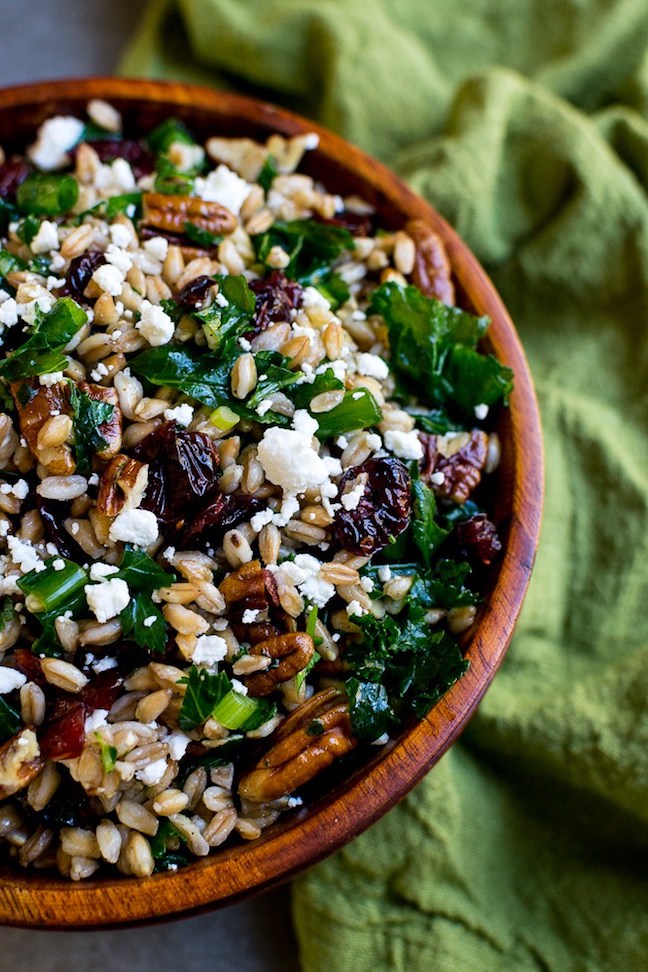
x=363 y=793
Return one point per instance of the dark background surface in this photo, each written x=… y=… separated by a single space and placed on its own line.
x=41 y=39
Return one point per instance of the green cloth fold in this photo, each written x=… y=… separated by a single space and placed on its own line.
x=526 y=848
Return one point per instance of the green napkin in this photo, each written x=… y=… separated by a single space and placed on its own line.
x=526 y=125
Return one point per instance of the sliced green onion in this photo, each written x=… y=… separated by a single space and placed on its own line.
x=162 y=138
x=235 y=709
x=357 y=410
x=47 y=195
x=107 y=753
x=224 y=418
x=311 y=621
x=49 y=588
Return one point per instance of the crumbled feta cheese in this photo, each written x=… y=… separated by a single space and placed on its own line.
x=147 y=263
x=150 y=621
x=55 y=137
x=250 y=615
x=53 y=378
x=437 y=478
x=312 y=297
x=259 y=520
x=10 y=680
x=110 y=279
x=239 y=687
x=372 y=366
x=57 y=262
x=243 y=342
x=99 y=571
x=53 y=283
x=222 y=301
x=384 y=574
x=152 y=773
x=405 y=445
x=99 y=372
x=341 y=442
x=311 y=141
x=115 y=178
x=351 y=500
x=183 y=414
x=23 y=555
x=209 y=650
x=95 y=720
x=264 y=406
x=121 y=236
x=118 y=258
x=355 y=609
x=367 y=584
x=157 y=247
x=177 y=742
x=58 y=564
x=104 y=664
x=135 y=526
x=225 y=187
x=8 y=312
x=108 y=599
x=381 y=740
x=169 y=553
x=305 y=573
x=42 y=303
x=288 y=457
x=155 y=324
x=46 y=238
x=19 y=489
x=481 y=411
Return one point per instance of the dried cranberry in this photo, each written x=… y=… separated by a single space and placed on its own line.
x=174 y=239
x=30 y=665
x=11 y=176
x=183 y=469
x=462 y=470
x=138 y=156
x=209 y=525
x=64 y=736
x=383 y=511
x=80 y=272
x=276 y=296
x=478 y=538
x=356 y=223
x=55 y=532
x=102 y=690
x=194 y=293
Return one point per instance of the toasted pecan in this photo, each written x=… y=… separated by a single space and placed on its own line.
x=431 y=272
x=122 y=486
x=172 y=213
x=293 y=650
x=20 y=762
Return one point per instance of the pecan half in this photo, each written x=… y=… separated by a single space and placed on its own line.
x=461 y=458
x=20 y=762
x=123 y=484
x=249 y=582
x=170 y=213
x=36 y=404
x=306 y=743
x=291 y=652
x=431 y=273
x=111 y=431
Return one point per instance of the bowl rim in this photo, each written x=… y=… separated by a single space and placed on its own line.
x=36 y=900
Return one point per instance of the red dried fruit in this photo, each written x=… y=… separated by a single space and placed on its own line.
x=53 y=513
x=29 y=665
x=194 y=293
x=478 y=538
x=383 y=511
x=183 y=469
x=138 y=156
x=11 y=175
x=102 y=690
x=276 y=296
x=64 y=735
x=356 y=223
x=79 y=274
x=221 y=514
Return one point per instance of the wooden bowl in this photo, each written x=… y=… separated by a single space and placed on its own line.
x=362 y=795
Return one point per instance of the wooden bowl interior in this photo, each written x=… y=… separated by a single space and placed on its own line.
x=355 y=794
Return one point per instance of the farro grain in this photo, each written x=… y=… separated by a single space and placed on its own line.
x=248 y=829
x=236 y=548
x=36 y=845
x=109 y=840
x=100 y=633
x=139 y=856
x=32 y=704
x=78 y=842
x=244 y=376
x=195 y=840
x=63 y=674
x=170 y=801
x=195 y=786
x=183 y=620
x=41 y=790
x=461 y=618
x=305 y=532
x=137 y=817
x=220 y=827
x=153 y=705
x=82 y=868
x=269 y=543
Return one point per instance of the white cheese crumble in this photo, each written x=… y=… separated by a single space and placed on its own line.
x=53 y=378
x=372 y=366
x=225 y=187
x=23 y=555
x=351 y=500
x=209 y=650
x=157 y=247
x=264 y=406
x=250 y=615
x=110 y=279
x=43 y=302
x=239 y=687
x=288 y=457
x=305 y=573
x=177 y=742
x=55 y=137
x=312 y=297
x=355 y=609
x=9 y=312
x=481 y=411
x=118 y=258
x=405 y=445
x=120 y=235
x=19 y=489
x=437 y=478
x=46 y=239
x=155 y=324
x=104 y=664
x=95 y=720
x=99 y=571
x=384 y=574
x=108 y=599
x=10 y=680
x=152 y=773
x=150 y=621
x=183 y=414
x=135 y=526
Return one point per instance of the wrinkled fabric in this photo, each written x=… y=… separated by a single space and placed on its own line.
x=526 y=125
